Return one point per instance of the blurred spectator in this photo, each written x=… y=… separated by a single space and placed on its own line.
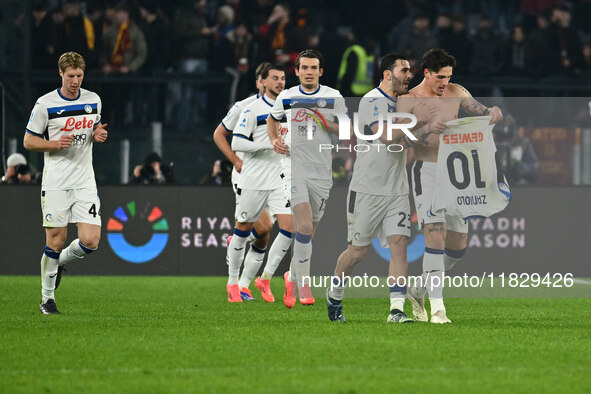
x=443 y=28
x=332 y=47
x=502 y=14
x=530 y=9
x=224 y=20
x=540 y=38
x=191 y=33
x=487 y=50
x=418 y=40
x=14 y=51
x=241 y=45
x=515 y=153
x=79 y=33
x=124 y=44
x=357 y=69
x=42 y=38
x=222 y=51
x=586 y=67
x=280 y=38
x=153 y=171
x=518 y=53
x=95 y=12
x=458 y=44
x=581 y=17
x=18 y=171
x=124 y=52
x=565 y=45
x=157 y=33
x=58 y=31
x=220 y=175
x=109 y=15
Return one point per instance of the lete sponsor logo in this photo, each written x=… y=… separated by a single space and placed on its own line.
x=72 y=124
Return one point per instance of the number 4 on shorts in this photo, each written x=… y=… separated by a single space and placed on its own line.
x=92 y=210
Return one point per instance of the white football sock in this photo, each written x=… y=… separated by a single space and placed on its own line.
x=397 y=297
x=74 y=251
x=302 y=252
x=276 y=253
x=433 y=270
x=337 y=289
x=235 y=255
x=252 y=263
x=49 y=265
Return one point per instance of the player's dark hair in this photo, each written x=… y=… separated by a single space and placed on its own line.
x=311 y=54
x=388 y=62
x=266 y=70
x=260 y=69
x=435 y=59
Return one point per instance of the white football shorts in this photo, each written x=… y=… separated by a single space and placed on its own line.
x=61 y=207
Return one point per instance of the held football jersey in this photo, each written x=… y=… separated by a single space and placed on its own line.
x=55 y=115
x=261 y=169
x=230 y=122
x=469 y=181
x=377 y=170
x=304 y=110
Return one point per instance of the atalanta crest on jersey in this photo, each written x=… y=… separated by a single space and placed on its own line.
x=88 y=108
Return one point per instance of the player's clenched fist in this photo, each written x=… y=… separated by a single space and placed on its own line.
x=100 y=133
x=65 y=141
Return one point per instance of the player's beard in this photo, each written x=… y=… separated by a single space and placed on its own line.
x=398 y=87
x=274 y=92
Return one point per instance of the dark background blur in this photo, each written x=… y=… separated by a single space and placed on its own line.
x=183 y=63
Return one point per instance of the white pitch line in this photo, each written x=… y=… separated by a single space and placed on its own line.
x=582 y=281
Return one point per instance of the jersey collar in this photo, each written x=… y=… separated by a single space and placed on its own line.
x=309 y=94
x=267 y=100
x=385 y=94
x=69 y=99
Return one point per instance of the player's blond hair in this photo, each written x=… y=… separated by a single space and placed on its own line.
x=71 y=59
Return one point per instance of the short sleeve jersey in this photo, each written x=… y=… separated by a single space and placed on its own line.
x=262 y=169
x=378 y=170
x=55 y=115
x=230 y=122
x=301 y=110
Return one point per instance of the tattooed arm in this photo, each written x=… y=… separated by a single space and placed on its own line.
x=422 y=135
x=471 y=106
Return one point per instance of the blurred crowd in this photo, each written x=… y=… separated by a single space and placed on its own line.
x=533 y=39
x=488 y=37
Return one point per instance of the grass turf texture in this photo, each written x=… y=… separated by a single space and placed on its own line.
x=179 y=334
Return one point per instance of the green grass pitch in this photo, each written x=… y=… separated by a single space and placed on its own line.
x=179 y=334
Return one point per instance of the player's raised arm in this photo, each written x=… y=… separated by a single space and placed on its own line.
x=220 y=138
x=471 y=106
